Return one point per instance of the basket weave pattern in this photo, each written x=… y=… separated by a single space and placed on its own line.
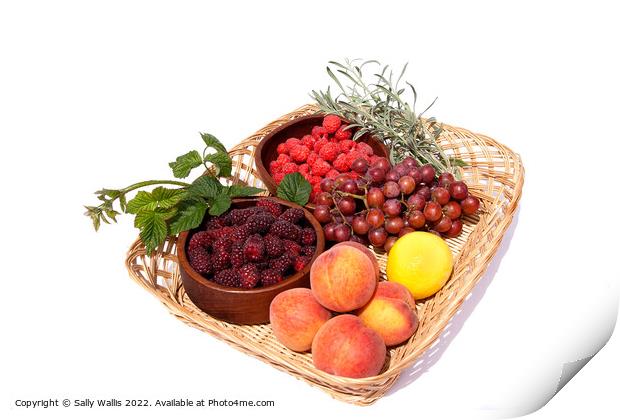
x=495 y=176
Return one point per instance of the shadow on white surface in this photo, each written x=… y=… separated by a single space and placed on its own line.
x=432 y=355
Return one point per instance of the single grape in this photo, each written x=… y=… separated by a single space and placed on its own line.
x=452 y=210
x=375 y=197
x=391 y=189
x=329 y=231
x=377 y=236
x=376 y=175
x=392 y=207
x=327 y=184
x=445 y=179
x=416 y=202
x=382 y=163
x=324 y=198
x=416 y=219
x=428 y=173
x=349 y=186
x=470 y=205
x=455 y=229
x=424 y=191
x=440 y=195
x=341 y=179
x=322 y=214
x=342 y=232
x=389 y=243
x=416 y=174
x=346 y=205
x=405 y=231
x=401 y=169
x=360 y=225
x=375 y=218
x=359 y=239
x=410 y=162
x=392 y=175
x=406 y=184
x=393 y=225
x=359 y=165
x=458 y=190
x=432 y=211
x=443 y=225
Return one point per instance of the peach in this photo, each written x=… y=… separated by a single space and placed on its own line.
x=295 y=317
x=396 y=291
x=365 y=250
x=393 y=319
x=343 y=279
x=344 y=346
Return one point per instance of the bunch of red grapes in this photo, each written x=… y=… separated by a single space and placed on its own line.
x=385 y=203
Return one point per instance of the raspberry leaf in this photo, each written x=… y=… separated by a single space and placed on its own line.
x=219 y=205
x=184 y=164
x=242 y=191
x=211 y=141
x=221 y=162
x=205 y=186
x=153 y=227
x=294 y=187
x=190 y=215
x=160 y=197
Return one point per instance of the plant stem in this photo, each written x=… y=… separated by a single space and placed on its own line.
x=154 y=182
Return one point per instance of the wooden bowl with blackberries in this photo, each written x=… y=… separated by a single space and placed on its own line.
x=234 y=264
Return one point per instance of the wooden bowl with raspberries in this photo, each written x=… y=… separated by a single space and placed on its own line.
x=233 y=265
x=316 y=146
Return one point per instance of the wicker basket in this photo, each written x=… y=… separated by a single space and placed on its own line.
x=495 y=176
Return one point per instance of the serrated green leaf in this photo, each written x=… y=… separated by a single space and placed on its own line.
x=190 y=215
x=212 y=141
x=219 y=205
x=295 y=188
x=184 y=164
x=143 y=216
x=153 y=229
x=205 y=186
x=222 y=163
x=160 y=197
x=242 y=191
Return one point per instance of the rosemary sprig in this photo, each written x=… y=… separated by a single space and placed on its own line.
x=379 y=108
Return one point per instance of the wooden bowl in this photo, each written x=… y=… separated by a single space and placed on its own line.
x=299 y=127
x=236 y=305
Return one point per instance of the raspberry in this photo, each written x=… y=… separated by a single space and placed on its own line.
x=353 y=175
x=269 y=277
x=352 y=155
x=312 y=156
x=291 y=248
x=260 y=222
x=346 y=145
x=331 y=123
x=275 y=167
x=273 y=245
x=318 y=132
x=270 y=205
x=284 y=159
x=341 y=134
x=249 y=276
x=364 y=148
x=281 y=149
x=308 y=250
x=242 y=232
x=304 y=168
x=282 y=263
x=285 y=230
x=200 y=240
x=329 y=152
x=289 y=168
x=332 y=174
x=228 y=277
x=220 y=260
x=373 y=159
x=292 y=141
x=254 y=248
x=199 y=260
x=307 y=141
x=320 y=167
x=277 y=178
x=299 y=153
x=308 y=236
x=316 y=190
x=315 y=179
x=292 y=215
x=236 y=254
x=300 y=262
x=341 y=163
x=319 y=144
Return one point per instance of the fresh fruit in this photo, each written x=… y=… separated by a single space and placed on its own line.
x=365 y=250
x=470 y=205
x=393 y=319
x=396 y=291
x=422 y=262
x=295 y=317
x=344 y=346
x=343 y=279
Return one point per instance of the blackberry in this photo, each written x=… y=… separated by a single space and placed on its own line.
x=291 y=247
x=292 y=215
x=216 y=223
x=273 y=207
x=285 y=230
x=220 y=260
x=249 y=276
x=254 y=248
x=301 y=262
x=282 y=263
x=241 y=233
x=199 y=260
x=238 y=217
x=308 y=236
x=260 y=222
x=263 y=265
x=200 y=239
x=228 y=277
x=308 y=250
x=273 y=245
x=236 y=254
x=222 y=244
x=269 y=277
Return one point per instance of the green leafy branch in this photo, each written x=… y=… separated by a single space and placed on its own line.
x=168 y=211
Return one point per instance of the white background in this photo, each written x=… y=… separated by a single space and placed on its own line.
x=96 y=94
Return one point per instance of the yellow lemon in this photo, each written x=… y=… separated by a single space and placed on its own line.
x=420 y=261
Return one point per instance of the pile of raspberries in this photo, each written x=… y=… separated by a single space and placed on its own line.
x=326 y=152
x=253 y=246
